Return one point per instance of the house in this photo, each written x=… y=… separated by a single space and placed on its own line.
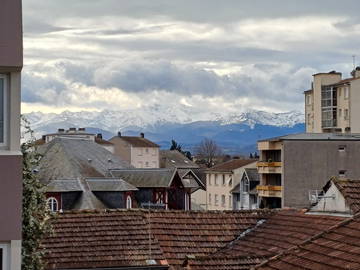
x=162 y=188
x=73 y=133
x=77 y=175
x=138 y=151
x=220 y=180
x=95 y=239
x=11 y=62
x=292 y=166
x=189 y=171
x=332 y=103
x=339 y=196
x=245 y=194
x=332 y=249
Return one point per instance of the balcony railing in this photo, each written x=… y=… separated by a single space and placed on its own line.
x=269 y=191
x=269 y=167
x=269 y=164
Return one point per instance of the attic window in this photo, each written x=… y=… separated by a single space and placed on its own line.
x=342 y=173
x=342 y=148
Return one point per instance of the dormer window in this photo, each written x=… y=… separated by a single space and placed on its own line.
x=53 y=204
x=3 y=109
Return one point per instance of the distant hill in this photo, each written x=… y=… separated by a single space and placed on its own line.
x=235 y=133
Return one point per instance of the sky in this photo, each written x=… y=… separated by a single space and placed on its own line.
x=226 y=56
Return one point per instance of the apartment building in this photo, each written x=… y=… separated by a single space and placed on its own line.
x=138 y=151
x=333 y=103
x=294 y=167
x=220 y=180
x=11 y=62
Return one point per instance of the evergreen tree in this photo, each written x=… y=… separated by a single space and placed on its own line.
x=35 y=214
x=251 y=156
x=175 y=146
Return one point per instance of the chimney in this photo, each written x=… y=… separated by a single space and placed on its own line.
x=81 y=129
x=119 y=134
x=99 y=136
x=142 y=135
x=356 y=72
x=43 y=137
x=72 y=130
x=61 y=130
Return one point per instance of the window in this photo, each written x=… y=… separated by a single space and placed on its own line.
x=209 y=198
x=4 y=257
x=140 y=152
x=52 y=204
x=3 y=97
x=245 y=185
x=230 y=201
x=128 y=202
x=230 y=182
x=346 y=92
x=346 y=114
x=209 y=179
x=308 y=118
x=308 y=99
x=342 y=173
x=339 y=91
x=147 y=150
x=223 y=200
x=147 y=164
x=223 y=180
x=216 y=199
x=216 y=179
x=340 y=112
x=342 y=148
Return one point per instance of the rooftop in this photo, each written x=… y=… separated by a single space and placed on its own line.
x=135 y=141
x=173 y=158
x=230 y=165
x=316 y=137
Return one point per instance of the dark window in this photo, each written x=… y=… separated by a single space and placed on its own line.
x=342 y=148
x=342 y=173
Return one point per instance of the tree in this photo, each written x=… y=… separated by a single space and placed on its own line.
x=251 y=156
x=208 y=150
x=35 y=214
x=175 y=146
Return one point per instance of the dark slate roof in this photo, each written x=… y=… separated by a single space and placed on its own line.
x=109 y=184
x=175 y=159
x=252 y=174
x=193 y=181
x=135 y=141
x=142 y=178
x=279 y=232
x=333 y=249
x=65 y=185
x=350 y=189
x=316 y=137
x=74 y=158
x=101 y=239
x=230 y=165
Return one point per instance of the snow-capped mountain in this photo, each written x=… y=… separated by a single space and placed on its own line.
x=185 y=124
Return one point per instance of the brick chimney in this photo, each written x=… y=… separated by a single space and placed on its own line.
x=142 y=135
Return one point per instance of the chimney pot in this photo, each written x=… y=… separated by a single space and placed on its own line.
x=61 y=130
x=142 y=135
x=43 y=137
x=119 y=134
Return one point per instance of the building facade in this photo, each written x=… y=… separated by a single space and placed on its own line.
x=220 y=180
x=245 y=194
x=138 y=151
x=11 y=62
x=333 y=103
x=292 y=167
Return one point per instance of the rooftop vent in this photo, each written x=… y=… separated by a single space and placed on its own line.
x=61 y=130
x=142 y=135
x=89 y=160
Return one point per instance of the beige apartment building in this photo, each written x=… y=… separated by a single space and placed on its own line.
x=11 y=62
x=220 y=180
x=294 y=167
x=138 y=151
x=333 y=103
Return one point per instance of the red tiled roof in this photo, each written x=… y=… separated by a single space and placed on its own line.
x=334 y=249
x=350 y=189
x=281 y=231
x=231 y=165
x=102 y=141
x=95 y=239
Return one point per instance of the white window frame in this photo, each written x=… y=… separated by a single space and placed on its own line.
x=51 y=208
x=6 y=255
x=128 y=202
x=5 y=113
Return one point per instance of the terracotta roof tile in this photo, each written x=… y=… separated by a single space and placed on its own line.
x=135 y=141
x=350 y=189
x=336 y=248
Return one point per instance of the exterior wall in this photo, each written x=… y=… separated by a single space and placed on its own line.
x=336 y=204
x=319 y=80
x=308 y=165
x=108 y=147
x=343 y=104
x=11 y=61
x=355 y=106
x=198 y=200
x=69 y=199
x=309 y=111
x=220 y=190
x=121 y=149
x=11 y=57
x=145 y=157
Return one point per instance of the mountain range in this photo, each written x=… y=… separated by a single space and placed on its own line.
x=236 y=133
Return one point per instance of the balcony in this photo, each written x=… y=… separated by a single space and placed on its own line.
x=269 y=191
x=269 y=167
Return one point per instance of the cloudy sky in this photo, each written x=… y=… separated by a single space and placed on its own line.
x=229 y=55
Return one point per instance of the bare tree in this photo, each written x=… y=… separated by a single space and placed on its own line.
x=208 y=150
